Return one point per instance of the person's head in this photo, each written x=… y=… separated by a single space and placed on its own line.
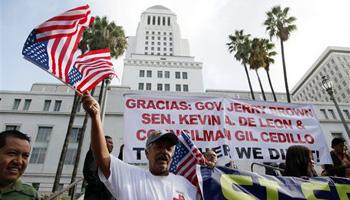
x=299 y=161
x=338 y=144
x=109 y=142
x=160 y=147
x=211 y=156
x=14 y=154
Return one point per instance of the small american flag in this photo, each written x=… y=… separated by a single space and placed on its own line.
x=90 y=69
x=185 y=158
x=53 y=44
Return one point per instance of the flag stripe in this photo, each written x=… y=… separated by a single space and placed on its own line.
x=94 y=66
x=66 y=24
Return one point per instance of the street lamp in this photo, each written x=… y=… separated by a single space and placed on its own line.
x=328 y=86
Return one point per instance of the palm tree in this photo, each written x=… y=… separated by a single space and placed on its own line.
x=240 y=44
x=257 y=59
x=269 y=49
x=279 y=24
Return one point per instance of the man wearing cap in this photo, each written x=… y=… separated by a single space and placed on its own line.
x=126 y=181
x=341 y=161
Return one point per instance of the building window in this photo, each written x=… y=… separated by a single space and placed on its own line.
x=74 y=135
x=185 y=88
x=332 y=113
x=12 y=127
x=347 y=114
x=70 y=156
x=141 y=86
x=57 y=105
x=184 y=75
x=148 y=20
x=167 y=74
x=323 y=111
x=149 y=73
x=27 y=104
x=38 y=155
x=16 y=104
x=168 y=21
x=158 y=21
x=163 y=21
x=167 y=87
x=47 y=104
x=153 y=20
x=160 y=74
x=159 y=87
x=148 y=86
x=177 y=75
x=142 y=73
x=44 y=134
x=178 y=87
x=146 y=48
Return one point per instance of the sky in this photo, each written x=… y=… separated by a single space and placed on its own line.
x=205 y=23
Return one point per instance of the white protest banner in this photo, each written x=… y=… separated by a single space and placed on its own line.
x=234 y=128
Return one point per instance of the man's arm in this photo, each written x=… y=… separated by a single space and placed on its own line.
x=98 y=142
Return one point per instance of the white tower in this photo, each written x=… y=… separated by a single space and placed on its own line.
x=158 y=58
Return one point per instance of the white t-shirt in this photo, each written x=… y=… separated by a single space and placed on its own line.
x=134 y=183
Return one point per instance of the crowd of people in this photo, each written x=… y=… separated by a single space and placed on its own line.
x=108 y=177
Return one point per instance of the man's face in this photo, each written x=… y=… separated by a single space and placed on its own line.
x=109 y=142
x=13 y=160
x=339 y=148
x=159 y=155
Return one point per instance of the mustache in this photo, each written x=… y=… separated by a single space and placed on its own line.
x=164 y=157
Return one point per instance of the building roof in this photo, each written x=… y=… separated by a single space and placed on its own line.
x=158 y=7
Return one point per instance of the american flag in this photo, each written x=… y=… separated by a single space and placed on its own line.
x=185 y=158
x=53 y=44
x=89 y=69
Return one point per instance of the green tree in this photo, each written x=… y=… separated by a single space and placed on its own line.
x=257 y=59
x=240 y=45
x=279 y=24
x=104 y=34
x=269 y=53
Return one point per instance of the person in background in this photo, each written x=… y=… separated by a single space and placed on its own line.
x=299 y=162
x=126 y=181
x=211 y=157
x=95 y=189
x=14 y=154
x=121 y=151
x=341 y=160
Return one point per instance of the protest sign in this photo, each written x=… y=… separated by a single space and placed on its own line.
x=224 y=183
x=234 y=128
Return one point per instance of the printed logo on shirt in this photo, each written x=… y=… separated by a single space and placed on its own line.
x=180 y=196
